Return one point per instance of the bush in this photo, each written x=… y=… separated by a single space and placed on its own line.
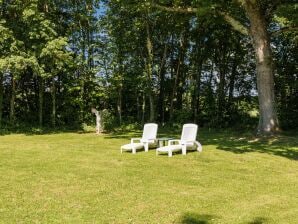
x=108 y=120
x=182 y=116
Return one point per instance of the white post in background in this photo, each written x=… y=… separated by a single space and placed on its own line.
x=98 y=119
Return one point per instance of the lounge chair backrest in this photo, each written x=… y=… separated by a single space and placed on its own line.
x=189 y=132
x=150 y=131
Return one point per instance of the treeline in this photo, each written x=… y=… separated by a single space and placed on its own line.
x=141 y=62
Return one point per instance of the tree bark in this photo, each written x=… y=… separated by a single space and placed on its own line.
x=98 y=120
x=268 y=121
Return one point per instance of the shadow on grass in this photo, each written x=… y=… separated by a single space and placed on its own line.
x=258 y=220
x=193 y=218
x=285 y=145
x=138 y=134
x=282 y=145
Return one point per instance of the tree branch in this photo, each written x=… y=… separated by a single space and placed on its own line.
x=175 y=9
x=284 y=29
x=236 y=25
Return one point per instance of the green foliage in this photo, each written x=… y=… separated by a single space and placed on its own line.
x=109 y=121
x=182 y=116
x=69 y=54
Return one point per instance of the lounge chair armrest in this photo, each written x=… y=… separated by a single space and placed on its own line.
x=170 y=142
x=135 y=139
x=200 y=148
x=142 y=140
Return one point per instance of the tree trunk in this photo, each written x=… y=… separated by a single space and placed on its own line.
x=221 y=96
x=12 y=101
x=177 y=90
x=120 y=84
x=53 y=92
x=119 y=105
x=138 y=107
x=1 y=98
x=268 y=121
x=161 y=75
x=143 y=108
x=152 y=110
x=149 y=73
x=181 y=78
x=174 y=91
x=98 y=120
x=232 y=83
x=40 y=98
x=196 y=96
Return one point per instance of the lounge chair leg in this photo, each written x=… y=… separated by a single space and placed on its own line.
x=200 y=149
x=183 y=149
x=170 y=153
x=146 y=146
x=134 y=151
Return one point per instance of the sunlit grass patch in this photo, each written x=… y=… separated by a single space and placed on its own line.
x=83 y=178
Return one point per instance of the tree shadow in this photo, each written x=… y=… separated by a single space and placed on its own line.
x=193 y=218
x=282 y=145
x=258 y=220
x=122 y=134
x=285 y=145
x=119 y=134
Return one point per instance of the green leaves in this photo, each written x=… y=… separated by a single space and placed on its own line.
x=54 y=56
x=287 y=15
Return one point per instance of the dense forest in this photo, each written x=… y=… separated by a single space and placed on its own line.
x=213 y=62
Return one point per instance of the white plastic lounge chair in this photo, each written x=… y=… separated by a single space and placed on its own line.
x=148 y=139
x=188 y=140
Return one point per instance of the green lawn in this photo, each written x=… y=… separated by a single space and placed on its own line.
x=83 y=178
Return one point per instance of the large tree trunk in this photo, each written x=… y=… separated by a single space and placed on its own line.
x=12 y=100
x=268 y=122
x=1 y=97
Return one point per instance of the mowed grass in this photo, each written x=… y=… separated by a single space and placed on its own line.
x=83 y=178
